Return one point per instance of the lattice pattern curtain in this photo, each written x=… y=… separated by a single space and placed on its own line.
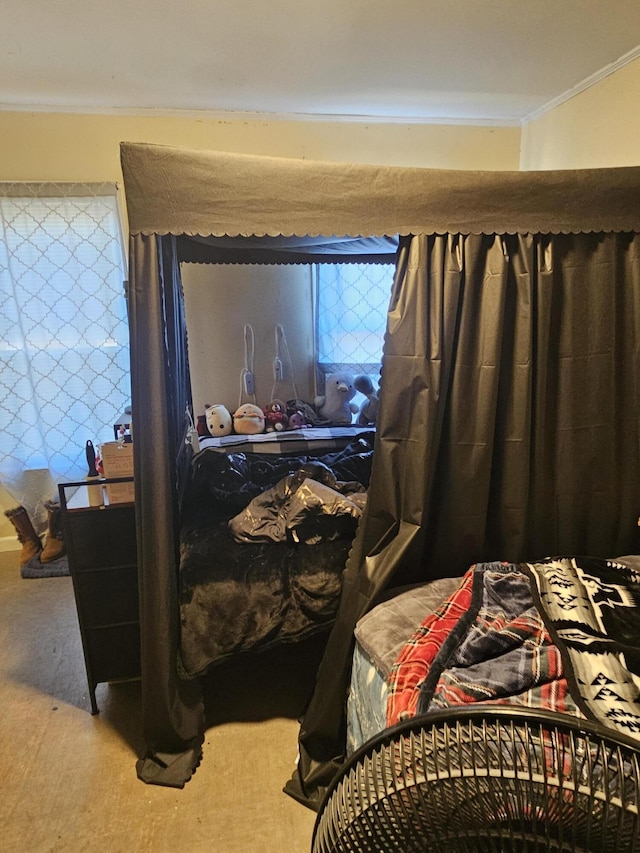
x=351 y=316
x=64 y=339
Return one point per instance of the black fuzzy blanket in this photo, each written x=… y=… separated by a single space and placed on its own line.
x=236 y=597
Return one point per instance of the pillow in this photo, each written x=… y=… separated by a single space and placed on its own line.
x=383 y=631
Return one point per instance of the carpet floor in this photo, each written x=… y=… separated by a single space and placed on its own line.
x=68 y=778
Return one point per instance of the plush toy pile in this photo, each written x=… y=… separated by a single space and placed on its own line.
x=334 y=408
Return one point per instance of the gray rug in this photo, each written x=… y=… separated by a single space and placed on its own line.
x=55 y=569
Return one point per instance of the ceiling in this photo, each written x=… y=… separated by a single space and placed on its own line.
x=484 y=61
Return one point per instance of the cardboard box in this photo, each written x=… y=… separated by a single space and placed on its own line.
x=117 y=461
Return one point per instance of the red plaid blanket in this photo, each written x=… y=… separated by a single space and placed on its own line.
x=487 y=643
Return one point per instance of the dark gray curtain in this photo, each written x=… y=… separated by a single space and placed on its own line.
x=172 y=709
x=508 y=429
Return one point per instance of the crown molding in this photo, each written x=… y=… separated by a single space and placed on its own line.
x=585 y=84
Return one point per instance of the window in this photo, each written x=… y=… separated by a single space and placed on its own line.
x=352 y=301
x=64 y=339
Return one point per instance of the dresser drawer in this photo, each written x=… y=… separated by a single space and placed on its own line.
x=107 y=596
x=101 y=538
x=114 y=652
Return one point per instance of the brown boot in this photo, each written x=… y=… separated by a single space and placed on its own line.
x=54 y=544
x=27 y=536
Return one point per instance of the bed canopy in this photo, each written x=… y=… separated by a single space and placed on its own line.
x=498 y=275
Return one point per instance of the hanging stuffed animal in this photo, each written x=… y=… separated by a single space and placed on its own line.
x=336 y=403
x=218 y=419
x=368 y=413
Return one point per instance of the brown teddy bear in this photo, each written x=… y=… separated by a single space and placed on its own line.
x=275 y=416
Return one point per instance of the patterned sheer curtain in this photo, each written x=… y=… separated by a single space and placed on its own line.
x=351 y=315
x=64 y=342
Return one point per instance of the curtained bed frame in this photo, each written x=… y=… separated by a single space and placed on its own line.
x=510 y=405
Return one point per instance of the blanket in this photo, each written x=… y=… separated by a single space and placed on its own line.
x=238 y=597
x=591 y=607
x=559 y=634
x=486 y=643
x=308 y=506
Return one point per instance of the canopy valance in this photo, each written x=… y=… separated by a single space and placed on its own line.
x=210 y=193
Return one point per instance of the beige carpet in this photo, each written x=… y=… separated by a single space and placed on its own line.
x=68 y=780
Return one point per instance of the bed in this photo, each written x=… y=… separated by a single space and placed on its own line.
x=496 y=711
x=558 y=634
x=503 y=428
x=266 y=528
x=380 y=636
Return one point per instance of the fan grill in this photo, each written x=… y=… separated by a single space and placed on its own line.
x=480 y=780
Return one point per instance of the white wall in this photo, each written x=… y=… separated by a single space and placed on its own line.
x=597 y=128
x=8 y=539
x=219 y=301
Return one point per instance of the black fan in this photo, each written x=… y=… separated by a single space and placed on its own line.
x=486 y=779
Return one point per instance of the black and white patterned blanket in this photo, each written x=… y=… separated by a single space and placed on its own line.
x=591 y=608
x=314 y=440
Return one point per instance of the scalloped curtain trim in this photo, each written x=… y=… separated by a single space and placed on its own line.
x=218 y=194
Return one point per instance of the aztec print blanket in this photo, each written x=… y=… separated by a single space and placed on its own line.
x=558 y=634
x=592 y=610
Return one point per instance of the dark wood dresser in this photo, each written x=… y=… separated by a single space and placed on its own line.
x=101 y=549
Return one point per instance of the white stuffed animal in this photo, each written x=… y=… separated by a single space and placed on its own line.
x=368 y=413
x=336 y=405
x=218 y=419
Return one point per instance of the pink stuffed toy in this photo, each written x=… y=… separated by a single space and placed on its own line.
x=297 y=420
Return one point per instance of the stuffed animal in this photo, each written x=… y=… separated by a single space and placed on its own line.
x=368 y=413
x=248 y=419
x=298 y=420
x=218 y=419
x=336 y=403
x=275 y=416
x=305 y=414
